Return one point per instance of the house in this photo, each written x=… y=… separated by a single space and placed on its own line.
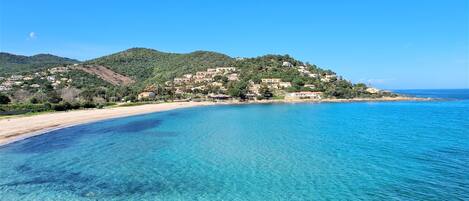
x=216 y=84
x=206 y=73
x=287 y=64
x=331 y=76
x=4 y=88
x=284 y=84
x=304 y=71
x=188 y=76
x=372 y=90
x=225 y=69
x=51 y=78
x=27 y=78
x=8 y=83
x=271 y=80
x=35 y=86
x=325 y=79
x=211 y=70
x=16 y=77
x=146 y=95
x=304 y=95
x=179 y=90
x=311 y=86
x=58 y=70
x=181 y=80
x=232 y=77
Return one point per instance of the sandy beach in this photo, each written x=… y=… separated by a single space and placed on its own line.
x=18 y=128
x=22 y=127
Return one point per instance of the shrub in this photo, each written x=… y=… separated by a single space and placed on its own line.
x=58 y=107
x=89 y=105
x=47 y=106
x=4 y=99
x=75 y=105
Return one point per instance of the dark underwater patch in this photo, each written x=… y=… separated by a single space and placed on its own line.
x=54 y=140
x=134 y=126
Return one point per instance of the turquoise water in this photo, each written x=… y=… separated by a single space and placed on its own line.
x=349 y=151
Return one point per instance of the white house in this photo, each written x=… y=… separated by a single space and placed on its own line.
x=287 y=64
x=284 y=84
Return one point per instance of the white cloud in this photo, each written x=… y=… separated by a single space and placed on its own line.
x=32 y=35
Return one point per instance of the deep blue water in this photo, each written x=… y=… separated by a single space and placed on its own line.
x=333 y=151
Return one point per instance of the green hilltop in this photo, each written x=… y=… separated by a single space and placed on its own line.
x=11 y=63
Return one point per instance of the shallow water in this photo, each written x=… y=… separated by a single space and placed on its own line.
x=333 y=151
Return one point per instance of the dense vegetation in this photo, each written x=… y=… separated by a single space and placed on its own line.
x=150 y=65
x=151 y=70
x=10 y=63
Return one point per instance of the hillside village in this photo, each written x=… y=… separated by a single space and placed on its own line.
x=213 y=84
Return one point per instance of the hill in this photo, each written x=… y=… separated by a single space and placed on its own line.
x=11 y=63
x=142 y=63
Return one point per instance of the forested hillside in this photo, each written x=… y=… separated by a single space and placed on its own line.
x=143 y=63
x=11 y=63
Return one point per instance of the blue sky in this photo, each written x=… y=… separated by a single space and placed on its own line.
x=393 y=44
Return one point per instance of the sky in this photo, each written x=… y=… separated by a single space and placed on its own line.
x=390 y=44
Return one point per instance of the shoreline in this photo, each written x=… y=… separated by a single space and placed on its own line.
x=19 y=128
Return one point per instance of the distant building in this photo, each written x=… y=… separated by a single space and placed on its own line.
x=225 y=69
x=232 y=77
x=58 y=70
x=372 y=90
x=16 y=77
x=216 y=84
x=304 y=95
x=5 y=88
x=311 y=86
x=35 y=86
x=271 y=80
x=181 y=80
x=189 y=76
x=146 y=95
x=287 y=64
x=284 y=84
x=51 y=78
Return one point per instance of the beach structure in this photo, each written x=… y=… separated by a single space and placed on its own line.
x=219 y=96
x=146 y=95
x=304 y=95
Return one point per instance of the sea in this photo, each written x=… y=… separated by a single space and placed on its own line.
x=406 y=150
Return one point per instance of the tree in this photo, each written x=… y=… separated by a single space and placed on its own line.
x=238 y=89
x=265 y=92
x=4 y=99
